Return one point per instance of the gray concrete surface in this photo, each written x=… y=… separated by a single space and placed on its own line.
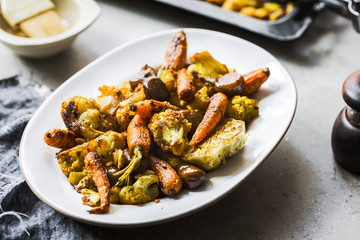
x=299 y=192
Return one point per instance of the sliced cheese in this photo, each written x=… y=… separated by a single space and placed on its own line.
x=16 y=11
x=44 y=25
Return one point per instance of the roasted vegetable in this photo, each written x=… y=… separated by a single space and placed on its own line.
x=123 y=117
x=143 y=166
x=110 y=171
x=175 y=101
x=139 y=142
x=72 y=108
x=135 y=96
x=114 y=195
x=185 y=86
x=175 y=56
x=262 y=13
x=228 y=139
x=170 y=129
x=236 y=5
x=230 y=84
x=72 y=160
x=108 y=101
x=138 y=134
x=94 y=166
x=207 y=66
x=155 y=89
x=248 y=11
x=254 y=80
x=214 y=113
x=218 y=2
x=85 y=183
x=111 y=91
x=242 y=108
x=267 y=10
x=170 y=182
x=107 y=104
x=93 y=123
x=146 y=109
x=276 y=14
x=201 y=100
x=191 y=176
x=168 y=76
x=90 y=198
x=75 y=177
x=194 y=117
x=144 y=190
x=60 y=138
x=126 y=90
x=82 y=117
x=145 y=72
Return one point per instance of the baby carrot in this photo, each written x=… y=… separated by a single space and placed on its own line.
x=254 y=79
x=138 y=134
x=60 y=138
x=147 y=108
x=175 y=56
x=212 y=117
x=185 y=86
x=94 y=166
x=139 y=142
x=170 y=181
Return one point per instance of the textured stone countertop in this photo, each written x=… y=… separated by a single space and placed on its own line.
x=299 y=192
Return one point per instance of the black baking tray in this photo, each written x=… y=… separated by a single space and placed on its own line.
x=287 y=28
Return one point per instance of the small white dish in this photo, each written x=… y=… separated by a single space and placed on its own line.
x=277 y=102
x=77 y=14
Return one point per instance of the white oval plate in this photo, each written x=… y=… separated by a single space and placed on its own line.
x=277 y=102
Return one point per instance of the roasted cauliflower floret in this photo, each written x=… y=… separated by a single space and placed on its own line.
x=123 y=117
x=201 y=100
x=72 y=160
x=168 y=76
x=207 y=66
x=242 y=108
x=82 y=117
x=169 y=129
x=145 y=189
x=135 y=96
x=93 y=123
x=228 y=139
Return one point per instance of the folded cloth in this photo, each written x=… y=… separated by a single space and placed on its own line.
x=18 y=100
x=22 y=214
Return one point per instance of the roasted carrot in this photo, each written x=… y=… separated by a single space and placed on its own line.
x=191 y=176
x=139 y=142
x=147 y=108
x=254 y=79
x=185 y=86
x=170 y=182
x=138 y=134
x=212 y=117
x=60 y=138
x=94 y=166
x=175 y=56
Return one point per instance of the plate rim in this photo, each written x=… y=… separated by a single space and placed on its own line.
x=177 y=215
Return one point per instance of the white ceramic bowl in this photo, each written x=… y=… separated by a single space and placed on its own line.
x=78 y=14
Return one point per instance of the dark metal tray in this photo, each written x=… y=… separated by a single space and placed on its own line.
x=287 y=28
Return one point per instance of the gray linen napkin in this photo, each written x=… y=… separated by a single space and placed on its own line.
x=22 y=214
x=18 y=100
